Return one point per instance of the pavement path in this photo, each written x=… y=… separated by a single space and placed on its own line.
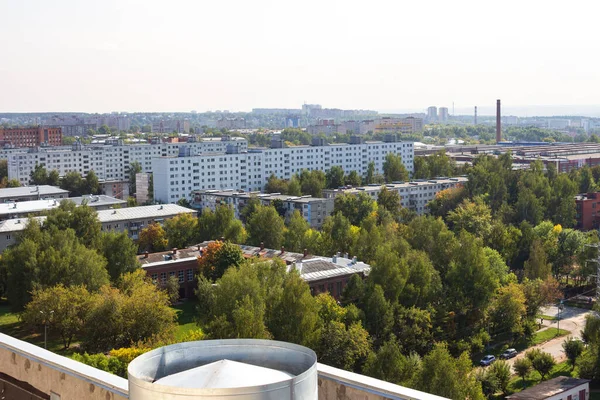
x=571 y=319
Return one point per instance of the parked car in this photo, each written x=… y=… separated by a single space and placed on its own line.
x=508 y=353
x=487 y=360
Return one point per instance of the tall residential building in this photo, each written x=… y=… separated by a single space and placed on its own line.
x=432 y=114
x=110 y=162
x=171 y=125
x=401 y=126
x=31 y=136
x=178 y=177
x=443 y=114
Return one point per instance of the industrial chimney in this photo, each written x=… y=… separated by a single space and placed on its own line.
x=498 y=123
x=475 y=119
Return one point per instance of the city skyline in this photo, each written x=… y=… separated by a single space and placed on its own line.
x=149 y=56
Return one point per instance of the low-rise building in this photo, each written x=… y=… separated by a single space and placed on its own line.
x=116 y=189
x=23 y=209
x=313 y=209
x=414 y=195
x=559 y=388
x=29 y=193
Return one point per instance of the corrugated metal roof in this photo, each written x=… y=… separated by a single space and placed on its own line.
x=132 y=213
x=23 y=191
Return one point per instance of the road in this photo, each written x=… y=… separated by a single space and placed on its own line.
x=571 y=319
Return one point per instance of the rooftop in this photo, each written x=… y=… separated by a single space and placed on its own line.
x=154 y=211
x=26 y=191
x=265 y=196
x=320 y=268
x=548 y=388
x=36 y=206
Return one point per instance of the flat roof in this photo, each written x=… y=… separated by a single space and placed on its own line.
x=377 y=187
x=549 y=388
x=25 y=191
x=35 y=206
x=154 y=211
x=259 y=195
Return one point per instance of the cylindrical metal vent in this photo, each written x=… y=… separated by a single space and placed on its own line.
x=240 y=369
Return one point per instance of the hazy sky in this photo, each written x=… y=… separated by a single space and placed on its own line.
x=169 y=55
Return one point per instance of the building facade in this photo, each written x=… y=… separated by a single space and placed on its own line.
x=31 y=136
x=587 y=207
x=400 y=126
x=313 y=209
x=179 y=177
x=414 y=195
x=110 y=162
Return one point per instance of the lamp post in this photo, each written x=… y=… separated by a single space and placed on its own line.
x=46 y=316
x=560 y=307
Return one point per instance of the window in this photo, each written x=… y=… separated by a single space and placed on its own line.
x=181 y=276
x=163 y=277
x=154 y=278
x=190 y=275
x=171 y=273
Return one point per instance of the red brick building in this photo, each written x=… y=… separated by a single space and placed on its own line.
x=323 y=274
x=588 y=211
x=31 y=136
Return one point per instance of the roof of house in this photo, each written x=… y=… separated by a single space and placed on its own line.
x=36 y=206
x=166 y=257
x=314 y=269
x=25 y=191
x=133 y=213
x=548 y=388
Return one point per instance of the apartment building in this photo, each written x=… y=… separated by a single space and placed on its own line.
x=24 y=209
x=110 y=162
x=132 y=220
x=31 y=136
x=313 y=209
x=28 y=193
x=180 y=177
x=401 y=126
x=414 y=195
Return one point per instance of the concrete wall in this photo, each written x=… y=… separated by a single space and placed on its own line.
x=50 y=373
x=337 y=384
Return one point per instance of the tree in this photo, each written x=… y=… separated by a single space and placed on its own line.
x=221 y=223
x=249 y=209
x=343 y=347
x=369 y=178
x=311 y=182
x=508 y=311
x=390 y=200
x=38 y=176
x=354 y=207
x=183 y=202
x=293 y=238
x=394 y=169
x=120 y=253
x=4 y=169
x=446 y=376
x=501 y=371
x=539 y=293
x=153 y=238
x=537 y=266
x=217 y=257
x=541 y=361
x=61 y=308
x=265 y=226
x=335 y=177
x=522 y=367
x=181 y=230
x=389 y=364
x=53 y=178
x=276 y=185
x=353 y=179
x=134 y=168
x=573 y=348
x=338 y=234
x=72 y=182
x=83 y=220
x=172 y=289
x=90 y=184
x=473 y=216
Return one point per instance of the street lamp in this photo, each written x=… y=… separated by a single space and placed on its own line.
x=560 y=307
x=46 y=317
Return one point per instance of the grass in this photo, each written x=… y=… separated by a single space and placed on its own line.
x=546 y=317
x=517 y=384
x=186 y=313
x=548 y=334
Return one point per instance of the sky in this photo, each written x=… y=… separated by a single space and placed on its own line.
x=183 y=55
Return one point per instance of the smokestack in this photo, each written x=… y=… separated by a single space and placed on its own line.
x=475 y=120
x=498 y=123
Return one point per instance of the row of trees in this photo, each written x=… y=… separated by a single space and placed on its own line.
x=71 y=181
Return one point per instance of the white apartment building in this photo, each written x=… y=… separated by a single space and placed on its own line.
x=413 y=195
x=179 y=177
x=109 y=162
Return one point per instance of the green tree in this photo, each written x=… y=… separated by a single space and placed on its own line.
x=354 y=207
x=134 y=168
x=249 y=209
x=62 y=309
x=537 y=266
x=443 y=375
x=218 y=257
x=508 y=311
x=83 y=220
x=293 y=238
x=120 y=253
x=172 y=289
x=90 y=184
x=394 y=169
x=181 y=230
x=53 y=178
x=522 y=367
x=502 y=372
x=338 y=234
x=276 y=185
x=389 y=364
x=220 y=223
x=311 y=182
x=294 y=188
x=153 y=238
x=370 y=176
x=473 y=216
x=38 y=176
x=335 y=177
x=390 y=200
x=4 y=169
x=265 y=226
x=342 y=347
x=573 y=348
x=73 y=182
x=353 y=179
x=541 y=361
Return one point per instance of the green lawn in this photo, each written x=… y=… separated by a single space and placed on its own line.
x=546 y=317
x=548 y=334
x=563 y=369
x=186 y=313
